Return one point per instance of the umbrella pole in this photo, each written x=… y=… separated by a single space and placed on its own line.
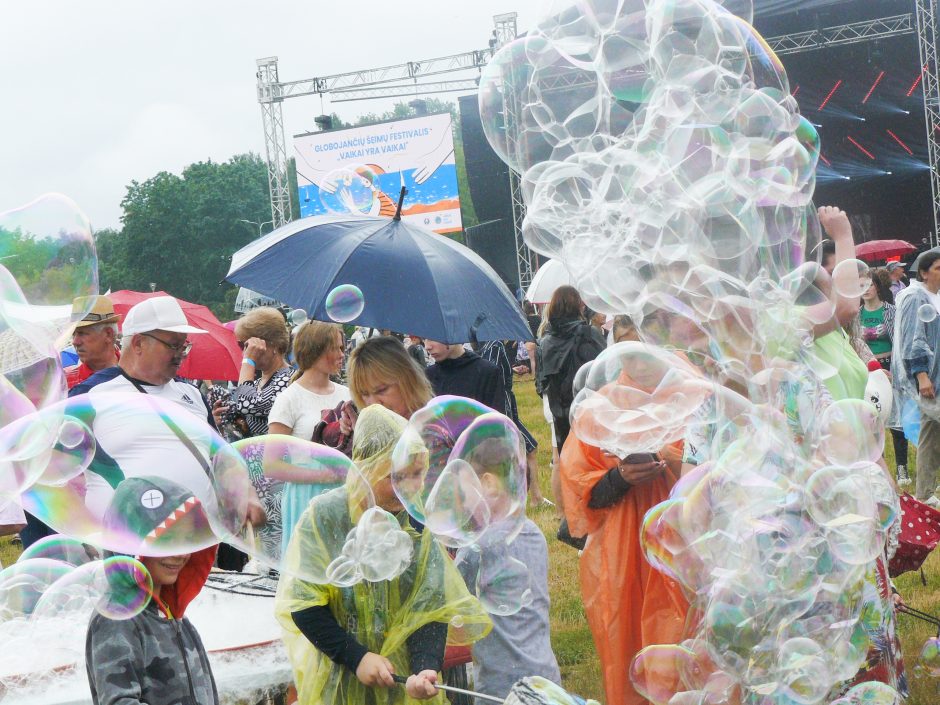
x=401 y=199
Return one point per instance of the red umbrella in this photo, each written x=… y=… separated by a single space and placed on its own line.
x=215 y=354
x=882 y=249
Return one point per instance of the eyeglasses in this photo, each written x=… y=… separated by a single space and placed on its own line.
x=183 y=348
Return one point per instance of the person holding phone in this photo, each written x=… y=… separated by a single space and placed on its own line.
x=628 y=604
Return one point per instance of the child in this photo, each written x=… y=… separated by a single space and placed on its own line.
x=346 y=643
x=519 y=645
x=156 y=657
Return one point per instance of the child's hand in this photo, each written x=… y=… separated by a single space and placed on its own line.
x=375 y=671
x=421 y=686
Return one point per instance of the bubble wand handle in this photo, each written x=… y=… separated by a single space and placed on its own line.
x=451 y=689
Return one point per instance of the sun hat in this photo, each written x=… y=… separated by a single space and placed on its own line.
x=92 y=310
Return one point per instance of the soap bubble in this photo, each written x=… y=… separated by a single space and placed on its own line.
x=502 y=584
x=345 y=303
x=841 y=500
x=24 y=582
x=850 y=431
x=30 y=451
x=117 y=588
x=851 y=278
x=926 y=313
x=870 y=693
x=656 y=671
x=376 y=549
x=298 y=316
x=287 y=473
x=459 y=468
x=637 y=398
x=48 y=258
x=60 y=548
x=350 y=189
x=48 y=247
x=806 y=670
x=343 y=539
x=929 y=659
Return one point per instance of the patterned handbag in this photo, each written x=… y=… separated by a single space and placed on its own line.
x=920 y=533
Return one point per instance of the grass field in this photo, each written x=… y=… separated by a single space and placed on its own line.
x=571 y=637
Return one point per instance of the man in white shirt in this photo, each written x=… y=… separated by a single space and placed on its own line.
x=137 y=436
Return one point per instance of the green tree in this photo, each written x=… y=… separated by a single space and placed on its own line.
x=180 y=231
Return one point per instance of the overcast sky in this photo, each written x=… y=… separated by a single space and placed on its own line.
x=101 y=92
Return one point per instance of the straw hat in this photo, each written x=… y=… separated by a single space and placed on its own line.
x=101 y=311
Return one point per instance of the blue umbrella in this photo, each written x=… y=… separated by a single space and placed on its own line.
x=69 y=356
x=413 y=280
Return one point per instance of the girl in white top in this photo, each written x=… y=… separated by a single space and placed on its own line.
x=318 y=350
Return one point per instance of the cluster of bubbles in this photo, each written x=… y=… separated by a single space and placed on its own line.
x=459 y=469
x=345 y=303
x=54 y=585
x=177 y=499
x=664 y=161
x=174 y=501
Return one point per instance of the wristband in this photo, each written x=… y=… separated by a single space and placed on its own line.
x=248 y=361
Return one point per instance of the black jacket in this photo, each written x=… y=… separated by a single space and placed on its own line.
x=566 y=345
x=470 y=376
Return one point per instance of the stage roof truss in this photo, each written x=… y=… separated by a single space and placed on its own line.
x=402 y=80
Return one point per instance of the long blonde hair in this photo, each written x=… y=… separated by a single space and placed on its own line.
x=312 y=340
x=384 y=359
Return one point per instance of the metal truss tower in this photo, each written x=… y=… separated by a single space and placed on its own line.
x=410 y=79
x=275 y=146
x=526 y=263
x=927 y=40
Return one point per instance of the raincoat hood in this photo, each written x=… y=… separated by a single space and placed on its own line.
x=156 y=511
x=377 y=432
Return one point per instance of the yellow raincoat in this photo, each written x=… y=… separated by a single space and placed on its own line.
x=379 y=615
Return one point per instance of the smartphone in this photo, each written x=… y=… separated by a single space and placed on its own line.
x=637 y=458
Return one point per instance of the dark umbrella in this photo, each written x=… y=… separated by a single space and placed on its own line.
x=882 y=249
x=413 y=280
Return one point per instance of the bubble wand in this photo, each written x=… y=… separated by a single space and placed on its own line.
x=923 y=616
x=451 y=689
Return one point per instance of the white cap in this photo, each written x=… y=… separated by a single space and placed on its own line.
x=157 y=313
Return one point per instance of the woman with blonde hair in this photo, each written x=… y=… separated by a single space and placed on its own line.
x=319 y=352
x=381 y=371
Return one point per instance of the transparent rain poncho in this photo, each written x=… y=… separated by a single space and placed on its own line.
x=383 y=614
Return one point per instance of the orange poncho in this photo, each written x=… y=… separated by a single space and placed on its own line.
x=629 y=605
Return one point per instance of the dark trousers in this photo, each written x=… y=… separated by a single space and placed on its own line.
x=34 y=531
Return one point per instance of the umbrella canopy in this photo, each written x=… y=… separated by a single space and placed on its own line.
x=882 y=249
x=215 y=354
x=412 y=280
x=549 y=277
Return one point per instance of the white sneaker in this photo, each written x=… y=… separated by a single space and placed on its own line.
x=933 y=501
x=904 y=479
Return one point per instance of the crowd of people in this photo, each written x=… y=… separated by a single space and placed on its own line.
x=346 y=644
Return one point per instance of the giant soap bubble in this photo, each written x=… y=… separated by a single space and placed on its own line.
x=459 y=468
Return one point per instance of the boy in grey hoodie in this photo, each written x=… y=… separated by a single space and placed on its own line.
x=156 y=657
